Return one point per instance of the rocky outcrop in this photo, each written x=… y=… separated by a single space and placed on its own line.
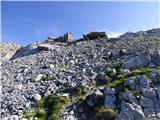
x=8 y=50
x=26 y=50
x=35 y=48
x=68 y=37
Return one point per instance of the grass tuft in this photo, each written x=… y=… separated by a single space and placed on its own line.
x=46 y=77
x=120 y=79
x=133 y=92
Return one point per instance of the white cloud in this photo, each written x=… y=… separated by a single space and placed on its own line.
x=112 y=34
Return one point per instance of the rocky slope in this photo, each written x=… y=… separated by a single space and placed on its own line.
x=95 y=79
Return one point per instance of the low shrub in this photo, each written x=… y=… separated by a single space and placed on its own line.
x=79 y=90
x=54 y=117
x=41 y=113
x=53 y=103
x=29 y=114
x=103 y=113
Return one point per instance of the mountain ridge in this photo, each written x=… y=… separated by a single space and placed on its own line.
x=30 y=49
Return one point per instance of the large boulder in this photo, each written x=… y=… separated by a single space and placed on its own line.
x=139 y=82
x=139 y=61
x=109 y=101
x=93 y=99
x=109 y=91
x=155 y=77
x=127 y=97
x=158 y=94
x=95 y=35
x=68 y=37
x=150 y=101
x=130 y=111
x=110 y=98
x=146 y=102
x=156 y=57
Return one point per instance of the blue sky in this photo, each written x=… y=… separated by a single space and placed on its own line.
x=26 y=22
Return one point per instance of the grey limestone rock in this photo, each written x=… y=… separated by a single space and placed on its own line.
x=109 y=101
x=156 y=57
x=109 y=91
x=130 y=112
x=139 y=61
x=127 y=97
